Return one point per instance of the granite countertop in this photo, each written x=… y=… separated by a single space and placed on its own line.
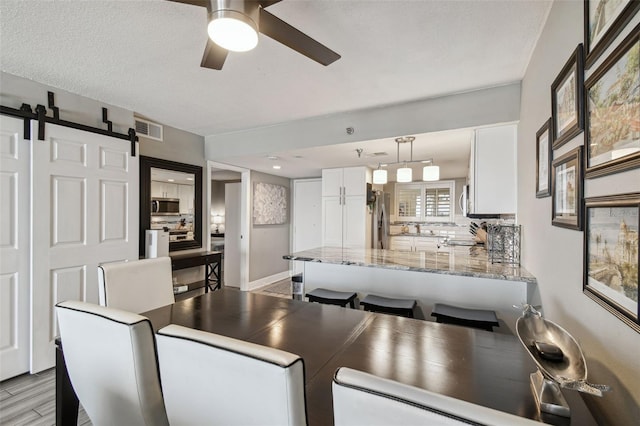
x=459 y=260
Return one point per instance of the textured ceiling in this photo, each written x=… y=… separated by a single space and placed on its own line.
x=145 y=56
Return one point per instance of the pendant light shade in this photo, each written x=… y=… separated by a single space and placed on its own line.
x=431 y=173
x=233 y=31
x=379 y=177
x=404 y=174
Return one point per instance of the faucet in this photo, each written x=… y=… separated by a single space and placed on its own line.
x=417 y=228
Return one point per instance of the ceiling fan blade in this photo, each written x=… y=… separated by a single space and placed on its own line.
x=284 y=33
x=267 y=3
x=214 y=56
x=203 y=3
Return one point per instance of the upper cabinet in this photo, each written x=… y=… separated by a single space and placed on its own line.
x=425 y=201
x=345 y=218
x=492 y=172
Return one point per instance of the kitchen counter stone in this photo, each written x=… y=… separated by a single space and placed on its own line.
x=459 y=260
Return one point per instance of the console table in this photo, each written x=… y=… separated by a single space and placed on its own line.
x=211 y=260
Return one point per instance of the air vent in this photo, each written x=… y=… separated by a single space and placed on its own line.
x=149 y=129
x=376 y=154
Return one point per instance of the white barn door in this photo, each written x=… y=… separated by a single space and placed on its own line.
x=14 y=248
x=85 y=213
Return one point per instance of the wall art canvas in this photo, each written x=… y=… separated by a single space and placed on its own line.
x=613 y=111
x=269 y=204
x=543 y=160
x=611 y=251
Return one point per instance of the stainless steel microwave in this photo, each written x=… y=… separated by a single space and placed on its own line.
x=165 y=206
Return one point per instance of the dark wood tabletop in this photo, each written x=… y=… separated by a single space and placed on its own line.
x=481 y=367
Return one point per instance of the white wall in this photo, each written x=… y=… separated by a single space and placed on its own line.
x=476 y=108
x=555 y=255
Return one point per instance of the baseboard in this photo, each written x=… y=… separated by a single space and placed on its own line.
x=265 y=281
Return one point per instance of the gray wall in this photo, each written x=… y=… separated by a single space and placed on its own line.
x=481 y=107
x=555 y=255
x=268 y=243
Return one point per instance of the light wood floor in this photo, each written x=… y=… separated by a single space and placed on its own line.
x=30 y=399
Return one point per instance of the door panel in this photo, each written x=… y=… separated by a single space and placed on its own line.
x=307 y=217
x=14 y=249
x=85 y=203
x=232 y=234
x=355 y=221
x=331 y=222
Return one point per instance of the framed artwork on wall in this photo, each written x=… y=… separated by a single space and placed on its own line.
x=611 y=250
x=269 y=204
x=567 y=100
x=603 y=21
x=566 y=188
x=613 y=111
x=543 y=160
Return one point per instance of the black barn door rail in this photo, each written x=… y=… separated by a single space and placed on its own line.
x=25 y=112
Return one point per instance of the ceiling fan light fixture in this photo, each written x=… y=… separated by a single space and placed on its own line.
x=379 y=176
x=233 y=30
x=430 y=173
x=404 y=174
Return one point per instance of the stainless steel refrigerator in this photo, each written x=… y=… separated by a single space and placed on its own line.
x=381 y=211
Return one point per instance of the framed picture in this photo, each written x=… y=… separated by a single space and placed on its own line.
x=611 y=250
x=613 y=111
x=603 y=21
x=567 y=100
x=543 y=160
x=269 y=204
x=566 y=185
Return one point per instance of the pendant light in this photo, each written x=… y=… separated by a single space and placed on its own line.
x=379 y=176
x=430 y=173
x=404 y=173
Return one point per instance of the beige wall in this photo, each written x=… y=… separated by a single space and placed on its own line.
x=555 y=255
x=269 y=242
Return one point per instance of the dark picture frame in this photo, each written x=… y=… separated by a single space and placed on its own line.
x=566 y=189
x=567 y=100
x=544 y=154
x=611 y=20
x=612 y=115
x=146 y=164
x=612 y=254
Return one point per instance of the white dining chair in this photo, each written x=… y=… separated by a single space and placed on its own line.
x=208 y=379
x=136 y=286
x=360 y=398
x=111 y=358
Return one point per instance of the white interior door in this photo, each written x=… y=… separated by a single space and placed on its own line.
x=307 y=217
x=232 y=233
x=85 y=213
x=14 y=248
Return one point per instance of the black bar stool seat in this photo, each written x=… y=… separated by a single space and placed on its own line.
x=476 y=318
x=332 y=297
x=389 y=305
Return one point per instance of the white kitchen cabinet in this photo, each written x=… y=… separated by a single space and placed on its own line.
x=161 y=189
x=493 y=170
x=401 y=243
x=346 y=221
x=410 y=243
x=185 y=194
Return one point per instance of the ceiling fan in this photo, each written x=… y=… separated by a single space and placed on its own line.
x=244 y=18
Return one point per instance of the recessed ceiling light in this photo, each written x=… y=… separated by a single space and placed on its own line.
x=298 y=156
x=189 y=178
x=277 y=167
x=171 y=180
x=273 y=157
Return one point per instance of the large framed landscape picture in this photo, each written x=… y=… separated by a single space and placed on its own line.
x=611 y=254
x=566 y=188
x=604 y=19
x=567 y=100
x=613 y=111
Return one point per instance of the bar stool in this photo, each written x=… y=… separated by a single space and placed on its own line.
x=476 y=318
x=388 y=305
x=332 y=297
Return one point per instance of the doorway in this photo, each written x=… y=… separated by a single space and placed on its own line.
x=228 y=202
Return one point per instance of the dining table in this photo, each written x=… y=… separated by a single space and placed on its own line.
x=485 y=368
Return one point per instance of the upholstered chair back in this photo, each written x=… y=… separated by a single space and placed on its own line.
x=363 y=399
x=208 y=379
x=136 y=286
x=111 y=359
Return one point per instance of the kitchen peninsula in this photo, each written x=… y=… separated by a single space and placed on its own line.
x=461 y=276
